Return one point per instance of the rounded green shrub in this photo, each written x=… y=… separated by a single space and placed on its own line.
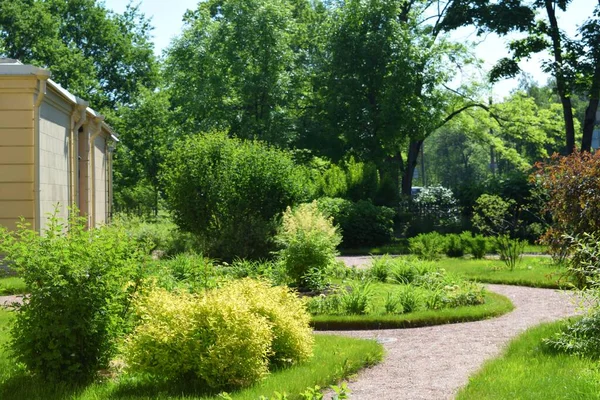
x=229 y=192
x=226 y=337
x=427 y=246
x=216 y=339
x=286 y=313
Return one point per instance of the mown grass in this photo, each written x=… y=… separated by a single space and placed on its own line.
x=335 y=358
x=400 y=246
x=527 y=371
x=12 y=285
x=494 y=306
x=531 y=271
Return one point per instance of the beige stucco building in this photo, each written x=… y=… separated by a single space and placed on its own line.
x=54 y=150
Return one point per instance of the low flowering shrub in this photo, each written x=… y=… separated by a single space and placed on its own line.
x=308 y=240
x=226 y=337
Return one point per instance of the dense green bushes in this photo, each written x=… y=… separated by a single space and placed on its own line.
x=433 y=209
x=230 y=191
x=228 y=337
x=80 y=283
x=573 y=191
x=362 y=224
x=350 y=180
x=431 y=246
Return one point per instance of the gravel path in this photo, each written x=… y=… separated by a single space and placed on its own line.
x=434 y=362
x=6 y=301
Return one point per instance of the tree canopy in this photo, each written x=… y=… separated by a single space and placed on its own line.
x=95 y=53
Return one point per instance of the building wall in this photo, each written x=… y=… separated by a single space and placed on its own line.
x=100 y=180
x=16 y=150
x=55 y=122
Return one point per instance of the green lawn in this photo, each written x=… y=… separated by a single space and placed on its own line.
x=531 y=271
x=526 y=371
x=400 y=246
x=12 y=285
x=494 y=306
x=334 y=358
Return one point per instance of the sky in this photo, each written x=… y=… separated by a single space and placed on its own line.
x=166 y=17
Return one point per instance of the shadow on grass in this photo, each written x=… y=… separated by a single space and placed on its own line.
x=147 y=387
x=25 y=387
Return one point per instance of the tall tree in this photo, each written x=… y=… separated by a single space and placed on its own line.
x=235 y=68
x=575 y=62
x=94 y=53
x=146 y=132
x=588 y=81
x=387 y=71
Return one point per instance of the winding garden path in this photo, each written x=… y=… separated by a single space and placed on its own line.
x=434 y=362
x=8 y=300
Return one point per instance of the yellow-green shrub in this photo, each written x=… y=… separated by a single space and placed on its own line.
x=216 y=338
x=292 y=336
x=308 y=240
x=225 y=337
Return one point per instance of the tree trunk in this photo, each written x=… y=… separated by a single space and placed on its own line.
x=590 y=112
x=588 y=125
x=411 y=162
x=561 y=86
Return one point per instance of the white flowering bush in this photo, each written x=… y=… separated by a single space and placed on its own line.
x=437 y=204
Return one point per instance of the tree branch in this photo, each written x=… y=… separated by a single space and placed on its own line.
x=466 y=107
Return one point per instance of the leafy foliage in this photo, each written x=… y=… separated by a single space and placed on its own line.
x=362 y=223
x=95 y=53
x=458 y=245
x=309 y=242
x=238 y=67
x=499 y=219
x=381 y=267
x=212 y=182
x=584 y=264
x=218 y=341
x=355 y=299
x=80 y=284
x=572 y=184
x=434 y=208
x=146 y=131
x=428 y=246
x=407 y=270
x=581 y=337
x=478 y=246
x=227 y=337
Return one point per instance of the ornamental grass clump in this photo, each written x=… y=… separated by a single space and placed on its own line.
x=308 y=243
x=226 y=337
